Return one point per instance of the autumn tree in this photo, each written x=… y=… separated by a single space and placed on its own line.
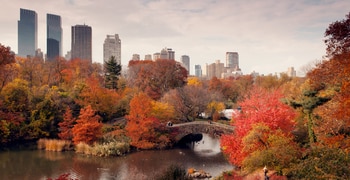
x=272 y=81
x=310 y=100
x=112 y=73
x=144 y=129
x=14 y=107
x=6 y=56
x=260 y=106
x=32 y=69
x=7 y=74
x=47 y=105
x=66 y=125
x=76 y=71
x=10 y=125
x=266 y=147
x=16 y=96
x=104 y=101
x=330 y=78
x=214 y=108
x=338 y=37
x=7 y=69
x=53 y=72
x=156 y=77
x=190 y=101
x=88 y=127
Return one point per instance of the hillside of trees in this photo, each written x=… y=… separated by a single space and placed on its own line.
x=299 y=127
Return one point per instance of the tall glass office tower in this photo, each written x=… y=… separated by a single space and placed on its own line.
x=27 y=33
x=81 y=42
x=54 y=36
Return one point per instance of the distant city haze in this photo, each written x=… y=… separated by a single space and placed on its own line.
x=269 y=36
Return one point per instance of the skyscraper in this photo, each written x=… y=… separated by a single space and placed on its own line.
x=27 y=33
x=171 y=54
x=198 y=70
x=167 y=53
x=112 y=47
x=215 y=69
x=185 y=60
x=54 y=36
x=232 y=60
x=82 y=42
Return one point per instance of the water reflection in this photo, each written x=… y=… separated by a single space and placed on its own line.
x=207 y=146
x=30 y=165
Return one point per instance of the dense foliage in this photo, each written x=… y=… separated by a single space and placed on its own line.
x=298 y=127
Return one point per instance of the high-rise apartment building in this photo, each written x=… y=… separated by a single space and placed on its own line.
x=215 y=69
x=198 y=70
x=112 y=47
x=164 y=54
x=82 y=42
x=171 y=54
x=185 y=60
x=167 y=53
x=54 y=36
x=27 y=33
x=232 y=60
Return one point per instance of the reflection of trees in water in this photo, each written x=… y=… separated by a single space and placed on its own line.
x=138 y=165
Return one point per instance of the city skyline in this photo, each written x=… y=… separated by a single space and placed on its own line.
x=269 y=36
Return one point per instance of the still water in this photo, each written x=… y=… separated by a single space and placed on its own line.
x=36 y=165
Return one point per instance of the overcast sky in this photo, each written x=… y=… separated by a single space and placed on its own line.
x=269 y=35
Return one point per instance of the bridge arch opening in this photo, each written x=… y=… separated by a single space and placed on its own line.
x=190 y=138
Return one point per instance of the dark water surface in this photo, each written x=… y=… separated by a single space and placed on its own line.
x=32 y=165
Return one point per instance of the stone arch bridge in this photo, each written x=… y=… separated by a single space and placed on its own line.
x=198 y=127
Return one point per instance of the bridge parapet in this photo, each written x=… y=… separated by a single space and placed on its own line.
x=198 y=127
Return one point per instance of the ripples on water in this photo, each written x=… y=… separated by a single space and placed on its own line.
x=204 y=155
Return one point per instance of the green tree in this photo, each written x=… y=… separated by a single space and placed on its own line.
x=112 y=73
x=308 y=102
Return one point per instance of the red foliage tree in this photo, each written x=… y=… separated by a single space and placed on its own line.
x=88 y=128
x=66 y=125
x=260 y=106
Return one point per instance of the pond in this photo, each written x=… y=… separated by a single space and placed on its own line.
x=37 y=164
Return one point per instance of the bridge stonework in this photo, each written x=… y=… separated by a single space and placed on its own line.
x=198 y=127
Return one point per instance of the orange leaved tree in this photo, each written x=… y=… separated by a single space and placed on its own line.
x=143 y=128
x=88 y=128
x=66 y=125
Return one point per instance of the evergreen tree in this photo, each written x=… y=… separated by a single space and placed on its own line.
x=112 y=73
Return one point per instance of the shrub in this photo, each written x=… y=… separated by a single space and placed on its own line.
x=322 y=163
x=83 y=148
x=110 y=149
x=53 y=144
x=173 y=172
